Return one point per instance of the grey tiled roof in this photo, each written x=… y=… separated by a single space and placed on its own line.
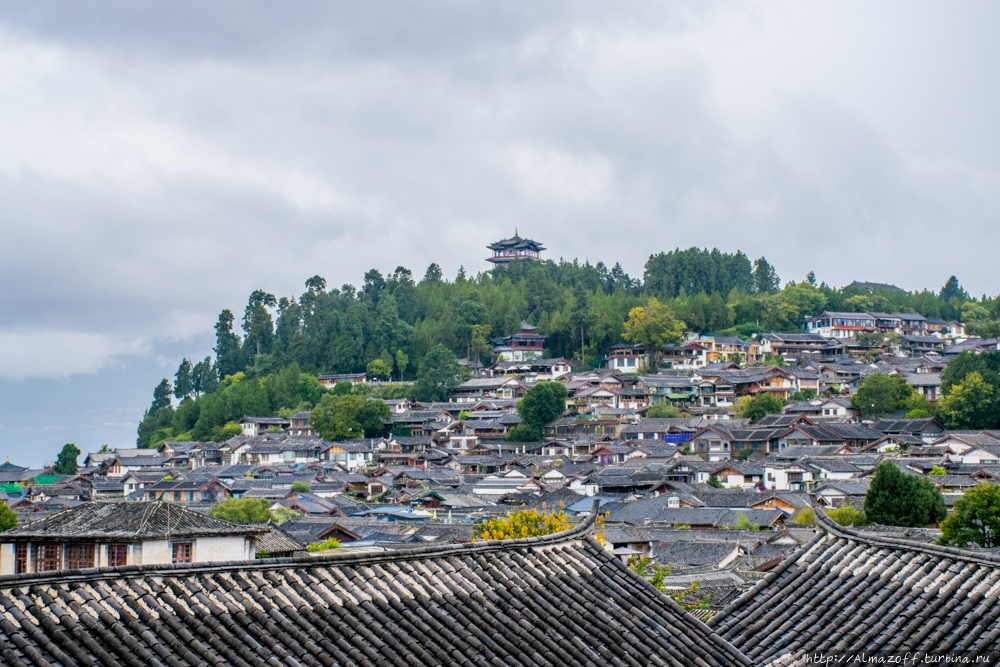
x=555 y=600
x=901 y=596
x=133 y=521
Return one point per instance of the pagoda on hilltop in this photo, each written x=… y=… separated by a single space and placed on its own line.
x=507 y=250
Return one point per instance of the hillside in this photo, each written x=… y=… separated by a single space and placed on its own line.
x=389 y=325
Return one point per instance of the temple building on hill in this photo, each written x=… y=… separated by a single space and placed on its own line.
x=525 y=345
x=513 y=248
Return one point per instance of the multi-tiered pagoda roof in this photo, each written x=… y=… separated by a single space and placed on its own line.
x=515 y=247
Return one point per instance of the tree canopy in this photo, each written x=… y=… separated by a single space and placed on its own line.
x=439 y=374
x=895 y=498
x=756 y=406
x=525 y=523
x=66 y=463
x=8 y=518
x=343 y=417
x=242 y=510
x=880 y=393
x=975 y=518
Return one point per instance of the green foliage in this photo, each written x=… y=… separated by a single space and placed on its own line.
x=880 y=393
x=805 y=517
x=662 y=411
x=543 y=403
x=399 y=321
x=756 y=406
x=379 y=369
x=242 y=510
x=657 y=575
x=339 y=417
x=972 y=404
x=975 y=519
x=331 y=543
x=438 y=375
x=895 y=498
x=653 y=325
x=298 y=486
x=743 y=522
x=744 y=454
x=523 y=433
x=283 y=514
x=66 y=461
x=847 y=516
x=937 y=470
x=8 y=518
x=804 y=395
x=713 y=481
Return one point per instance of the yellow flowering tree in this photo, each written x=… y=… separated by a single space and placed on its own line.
x=525 y=523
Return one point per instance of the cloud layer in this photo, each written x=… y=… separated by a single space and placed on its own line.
x=160 y=161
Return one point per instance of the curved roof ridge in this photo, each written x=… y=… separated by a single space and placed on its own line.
x=580 y=531
x=849 y=533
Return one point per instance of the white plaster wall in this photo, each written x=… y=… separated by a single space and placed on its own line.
x=6 y=559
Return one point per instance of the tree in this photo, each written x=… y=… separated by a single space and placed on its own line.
x=653 y=326
x=895 y=498
x=378 y=369
x=806 y=394
x=8 y=518
x=937 y=470
x=662 y=411
x=228 y=354
x=543 y=403
x=713 y=481
x=66 y=461
x=339 y=417
x=744 y=454
x=402 y=361
x=242 y=510
x=438 y=375
x=952 y=289
x=257 y=323
x=880 y=393
x=184 y=380
x=975 y=518
x=969 y=405
x=526 y=523
x=869 y=340
x=756 y=406
x=161 y=396
x=204 y=377
x=765 y=278
x=298 y=486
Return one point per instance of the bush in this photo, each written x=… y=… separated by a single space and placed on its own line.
x=283 y=514
x=8 y=517
x=805 y=517
x=331 y=543
x=713 y=481
x=847 y=516
x=298 y=486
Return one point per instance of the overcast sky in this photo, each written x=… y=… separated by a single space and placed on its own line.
x=159 y=161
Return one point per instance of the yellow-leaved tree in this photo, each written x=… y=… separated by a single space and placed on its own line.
x=654 y=326
x=525 y=523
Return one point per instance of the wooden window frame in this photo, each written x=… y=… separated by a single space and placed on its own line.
x=20 y=558
x=48 y=557
x=77 y=556
x=117 y=555
x=182 y=552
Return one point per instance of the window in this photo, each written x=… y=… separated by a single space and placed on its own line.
x=177 y=495
x=79 y=556
x=20 y=559
x=117 y=555
x=182 y=552
x=48 y=557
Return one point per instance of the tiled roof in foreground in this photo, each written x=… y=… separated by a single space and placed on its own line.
x=847 y=590
x=554 y=600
